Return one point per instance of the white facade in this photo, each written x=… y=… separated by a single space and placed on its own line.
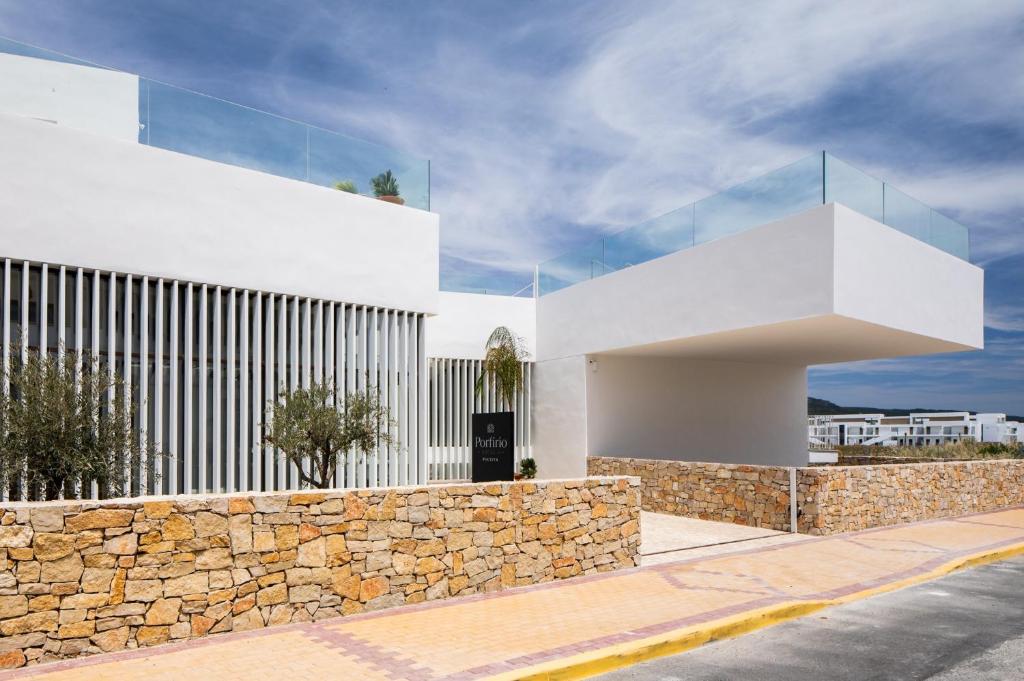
x=80 y=199
x=730 y=327
x=86 y=98
x=214 y=286
x=211 y=288
x=464 y=321
x=913 y=430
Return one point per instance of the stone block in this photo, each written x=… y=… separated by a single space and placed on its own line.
x=99 y=519
x=163 y=611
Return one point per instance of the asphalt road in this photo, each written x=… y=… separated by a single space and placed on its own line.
x=966 y=626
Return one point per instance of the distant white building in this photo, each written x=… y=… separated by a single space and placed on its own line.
x=914 y=430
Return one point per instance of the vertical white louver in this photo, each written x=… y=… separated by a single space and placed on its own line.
x=453 y=400
x=202 y=363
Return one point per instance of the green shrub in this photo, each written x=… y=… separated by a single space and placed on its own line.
x=528 y=467
x=960 y=450
x=346 y=186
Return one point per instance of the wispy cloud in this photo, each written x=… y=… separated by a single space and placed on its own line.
x=551 y=123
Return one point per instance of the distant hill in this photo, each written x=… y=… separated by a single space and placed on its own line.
x=819 y=407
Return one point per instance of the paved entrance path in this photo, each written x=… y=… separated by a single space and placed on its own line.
x=589 y=624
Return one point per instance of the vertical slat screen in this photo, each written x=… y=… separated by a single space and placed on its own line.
x=453 y=399
x=202 y=365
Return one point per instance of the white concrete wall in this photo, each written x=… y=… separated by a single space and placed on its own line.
x=768 y=274
x=75 y=198
x=892 y=279
x=822 y=286
x=465 y=321
x=96 y=100
x=560 y=417
x=697 y=410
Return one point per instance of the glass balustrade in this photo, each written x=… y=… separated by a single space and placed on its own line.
x=192 y=123
x=811 y=181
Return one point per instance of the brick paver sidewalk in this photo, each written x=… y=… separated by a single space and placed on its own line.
x=515 y=633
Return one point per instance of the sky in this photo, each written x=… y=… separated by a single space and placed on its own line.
x=549 y=124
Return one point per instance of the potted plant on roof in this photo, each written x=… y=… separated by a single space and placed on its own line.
x=494 y=432
x=346 y=186
x=385 y=188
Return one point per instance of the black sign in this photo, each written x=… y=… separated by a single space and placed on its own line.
x=493 y=446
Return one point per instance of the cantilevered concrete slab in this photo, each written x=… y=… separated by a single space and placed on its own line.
x=702 y=354
x=827 y=285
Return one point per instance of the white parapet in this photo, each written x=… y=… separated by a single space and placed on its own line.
x=75 y=198
x=465 y=321
x=827 y=285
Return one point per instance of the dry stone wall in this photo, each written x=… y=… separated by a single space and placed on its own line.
x=830 y=499
x=757 y=496
x=846 y=498
x=85 y=577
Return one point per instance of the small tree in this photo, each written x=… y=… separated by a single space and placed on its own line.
x=315 y=435
x=59 y=427
x=503 y=364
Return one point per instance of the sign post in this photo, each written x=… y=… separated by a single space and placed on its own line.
x=493 y=446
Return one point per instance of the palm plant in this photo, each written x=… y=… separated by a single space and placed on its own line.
x=385 y=184
x=346 y=186
x=503 y=364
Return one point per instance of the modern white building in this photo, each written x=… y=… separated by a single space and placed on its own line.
x=199 y=247
x=912 y=430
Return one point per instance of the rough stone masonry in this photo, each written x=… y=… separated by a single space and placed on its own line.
x=86 y=577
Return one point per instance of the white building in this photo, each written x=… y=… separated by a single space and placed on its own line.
x=913 y=430
x=200 y=248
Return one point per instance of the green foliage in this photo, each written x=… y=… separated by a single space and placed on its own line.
x=528 y=467
x=385 y=184
x=317 y=436
x=503 y=364
x=59 y=427
x=346 y=186
x=961 y=450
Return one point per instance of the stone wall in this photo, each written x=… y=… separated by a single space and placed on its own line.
x=830 y=499
x=87 y=577
x=846 y=498
x=757 y=496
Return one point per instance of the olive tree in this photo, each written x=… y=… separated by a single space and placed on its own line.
x=503 y=364
x=65 y=422
x=309 y=428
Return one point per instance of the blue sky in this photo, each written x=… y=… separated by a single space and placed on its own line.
x=551 y=123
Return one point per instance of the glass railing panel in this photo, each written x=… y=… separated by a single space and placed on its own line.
x=191 y=123
x=335 y=158
x=853 y=188
x=649 y=240
x=949 y=235
x=23 y=50
x=782 y=192
x=906 y=214
x=580 y=264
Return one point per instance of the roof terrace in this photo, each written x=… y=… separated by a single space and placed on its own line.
x=818 y=179
x=39 y=82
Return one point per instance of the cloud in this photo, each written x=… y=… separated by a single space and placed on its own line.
x=551 y=124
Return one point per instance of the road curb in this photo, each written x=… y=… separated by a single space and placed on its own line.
x=621 y=655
